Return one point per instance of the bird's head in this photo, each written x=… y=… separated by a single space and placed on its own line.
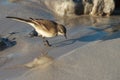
x=62 y=30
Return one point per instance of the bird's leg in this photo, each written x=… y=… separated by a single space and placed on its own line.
x=46 y=43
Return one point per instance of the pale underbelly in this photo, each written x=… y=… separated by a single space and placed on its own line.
x=46 y=34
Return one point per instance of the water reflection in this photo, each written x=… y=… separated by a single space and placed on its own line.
x=76 y=20
x=89 y=21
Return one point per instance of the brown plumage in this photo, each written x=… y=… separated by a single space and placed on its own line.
x=44 y=28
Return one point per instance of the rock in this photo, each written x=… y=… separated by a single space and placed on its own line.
x=99 y=7
x=2 y=44
x=87 y=6
x=65 y=7
x=109 y=6
x=5 y=43
x=78 y=7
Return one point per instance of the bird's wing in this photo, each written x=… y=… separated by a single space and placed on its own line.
x=44 y=27
x=45 y=24
x=39 y=23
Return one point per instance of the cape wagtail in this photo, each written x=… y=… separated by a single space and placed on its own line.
x=44 y=28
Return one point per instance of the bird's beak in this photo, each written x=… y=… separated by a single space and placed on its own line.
x=65 y=36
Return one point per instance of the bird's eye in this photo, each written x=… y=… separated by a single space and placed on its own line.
x=61 y=30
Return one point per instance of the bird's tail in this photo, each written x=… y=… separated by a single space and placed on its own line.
x=20 y=19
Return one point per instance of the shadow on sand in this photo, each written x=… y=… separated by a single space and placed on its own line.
x=97 y=35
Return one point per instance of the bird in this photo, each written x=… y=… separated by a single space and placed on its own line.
x=45 y=28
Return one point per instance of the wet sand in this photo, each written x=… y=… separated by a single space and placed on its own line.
x=88 y=53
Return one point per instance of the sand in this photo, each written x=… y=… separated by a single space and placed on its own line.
x=87 y=54
x=94 y=61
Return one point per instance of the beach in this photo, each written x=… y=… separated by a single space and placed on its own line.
x=89 y=53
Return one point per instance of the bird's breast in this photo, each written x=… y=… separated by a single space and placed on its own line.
x=46 y=33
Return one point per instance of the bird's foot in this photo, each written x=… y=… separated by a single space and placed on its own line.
x=46 y=43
